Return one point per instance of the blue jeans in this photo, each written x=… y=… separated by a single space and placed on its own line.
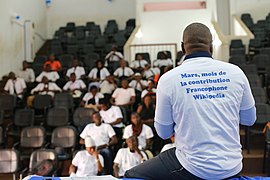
x=163 y=166
x=108 y=160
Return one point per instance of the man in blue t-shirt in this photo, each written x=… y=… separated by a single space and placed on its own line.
x=202 y=102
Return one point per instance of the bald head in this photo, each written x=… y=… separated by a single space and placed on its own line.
x=197 y=37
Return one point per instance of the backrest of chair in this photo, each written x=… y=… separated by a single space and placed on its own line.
x=236 y=43
x=32 y=137
x=64 y=137
x=261 y=60
x=40 y=155
x=63 y=100
x=249 y=69
x=82 y=116
x=1 y=135
x=57 y=116
x=1 y=117
x=42 y=101
x=9 y=161
x=24 y=117
x=238 y=60
x=7 y=102
x=263 y=113
x=254 y=80
x=259 y=94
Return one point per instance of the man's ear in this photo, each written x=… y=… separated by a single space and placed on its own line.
x=183 y=48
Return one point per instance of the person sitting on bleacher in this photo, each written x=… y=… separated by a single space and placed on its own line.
x=75 y=68
x=142 y=131
x=15 y=86
x=104 y=136
x=150 y=89
x=98 y=73
x=113 y=58
x=54 y=64
x=163 y=62
x=51 y=75
x=88 y=162
x=108 y=86
x=92 y=98
x=149 y=72
x=26 y=73
x=138 y=64
x=127 y=158
x=123 y=71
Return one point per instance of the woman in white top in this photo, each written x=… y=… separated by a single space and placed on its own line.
x=99 y=73
x=142 y=131
x=138 y=64
x=88 y=162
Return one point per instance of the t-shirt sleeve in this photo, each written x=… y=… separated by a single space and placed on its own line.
x=101 y=159
x=110 y=131
x=148 y=132
x=132 y=92
x=115 y=93
x=247 y=99
x=76 y=159
x=163 y=114
x=84 y=133
x=118 y=113
x=127 y=132
x=118 y=156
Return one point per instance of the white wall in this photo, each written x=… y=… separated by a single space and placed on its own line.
x=82 y=11
x=167 y=26
x=11 y=35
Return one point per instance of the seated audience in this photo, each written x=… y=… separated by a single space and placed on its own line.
x=127 y=158
x=98 y=73
x=75 y=68
x=123 y=71
x=149 y=72
x=26 y=73
x=138 y=64
x=108 y=86
x=75 y=86
x=87 y=162
x=15 y=86
x=143 y=132
x=54 y=64
x=104 y=136
x=51 y=75
x=138 y=84
x=113 y=58
x=146 y=110
x=163 y=63
x=92 y=98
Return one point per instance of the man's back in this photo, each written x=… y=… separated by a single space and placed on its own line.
x=206 y=96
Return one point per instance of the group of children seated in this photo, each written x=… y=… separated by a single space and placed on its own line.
x=124 y=100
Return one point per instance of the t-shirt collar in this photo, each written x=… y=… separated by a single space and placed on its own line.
x=198 y=54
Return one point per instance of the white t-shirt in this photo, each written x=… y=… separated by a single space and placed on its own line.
x=15 y=86
x=51 y=86
x=77 y=84
x=138 y=63
x=146 y=133
x=79 y=71
x=150 y=73
x=111 y=115
x=203 y=98
x=126 y=71
x=146 y=91
x=122 y=96
x=86 y=164
x=89 y=96
x=106 y=87
x=163 y=62
x=101 y=134
x=103 y=73
x=114 y=56
x=52 y=76
x=28 y=75
x=135 y=85
x=126 y=160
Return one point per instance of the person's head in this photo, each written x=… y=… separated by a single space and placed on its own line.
x=72 y=77
x=122 y=63
x=132 y=142
x=104 y=104
x=90 y=144
x=12 y=75
x=93 y=90
x=75 y=62
x=147 y=99
x=51 y=57
x=110 y=78
x=25 y=64
x=138 y=57
x=99 y=64
x=135 y=119
x=197 y=37
x=147 y=66
x=45 y=80
x=137 y=76
x=114 y=48
x=151 y=84
x=96 y=118
x=124 y=83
